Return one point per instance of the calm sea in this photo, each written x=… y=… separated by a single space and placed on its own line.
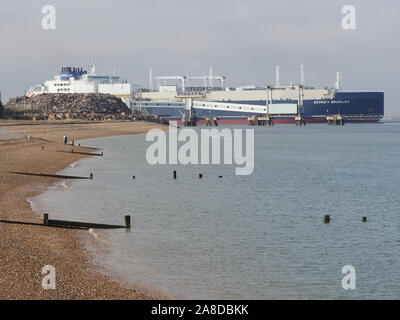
x=248 y=237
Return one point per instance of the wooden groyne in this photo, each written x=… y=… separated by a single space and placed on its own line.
x=39 y=224
x=59 y=176
x=72 y=224
x=93 y=148
x=84 y=153
x=64 y=223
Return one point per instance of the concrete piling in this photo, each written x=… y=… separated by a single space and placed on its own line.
x=300 y=121
x=212 y=121
x=260 y=121
x=335 y=120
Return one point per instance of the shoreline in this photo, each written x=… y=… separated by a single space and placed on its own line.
x=25 y=250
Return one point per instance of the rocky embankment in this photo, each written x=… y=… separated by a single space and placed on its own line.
x=66 y=106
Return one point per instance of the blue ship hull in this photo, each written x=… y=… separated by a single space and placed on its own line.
x=353 y=106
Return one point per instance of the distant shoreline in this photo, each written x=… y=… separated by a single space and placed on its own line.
x=25 y=250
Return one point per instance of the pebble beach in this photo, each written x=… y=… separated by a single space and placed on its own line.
x=25 y=249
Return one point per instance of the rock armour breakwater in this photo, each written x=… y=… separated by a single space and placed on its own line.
x=61 y=106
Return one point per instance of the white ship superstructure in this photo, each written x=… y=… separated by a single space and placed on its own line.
x=77 y=80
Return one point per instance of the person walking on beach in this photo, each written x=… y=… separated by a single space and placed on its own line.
x=65 y=140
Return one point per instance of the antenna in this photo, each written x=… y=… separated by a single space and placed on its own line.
x=277 y=80
x=302 y=75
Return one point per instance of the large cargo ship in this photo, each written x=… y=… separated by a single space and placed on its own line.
x=78 y=80
x=236 y=105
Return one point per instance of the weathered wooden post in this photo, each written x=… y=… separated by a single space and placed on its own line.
x=91 y=176
x=364 y=219
x=200 y=176
x=45 y=218
x=174 y=175
x=327 y=218
x=128 y=221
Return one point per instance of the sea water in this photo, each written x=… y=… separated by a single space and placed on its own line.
x=260 y=236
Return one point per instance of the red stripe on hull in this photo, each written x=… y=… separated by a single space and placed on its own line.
x=316 y=120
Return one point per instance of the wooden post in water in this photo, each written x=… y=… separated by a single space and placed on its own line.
x=364 y=219
x=200 y=176
x=174 y=175
x=128 y=221
x=45 y=218
x=91 y=176
x=327 y=218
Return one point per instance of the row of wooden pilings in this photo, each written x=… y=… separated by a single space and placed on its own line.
x=327 y=219
x=175 y=176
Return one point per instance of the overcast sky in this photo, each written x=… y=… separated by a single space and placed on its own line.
x=242 y=40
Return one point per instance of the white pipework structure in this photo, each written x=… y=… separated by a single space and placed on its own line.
x=302 y=75
x=210 y=77
x=277 y=76
x=151 y=79
x=180 y=78
x=204 y=78
x=338 y=78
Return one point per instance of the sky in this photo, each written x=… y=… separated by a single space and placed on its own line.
x=242 y=40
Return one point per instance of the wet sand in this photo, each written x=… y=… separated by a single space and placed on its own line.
x=25 y=250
